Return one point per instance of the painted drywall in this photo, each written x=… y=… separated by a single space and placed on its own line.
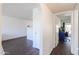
x=37 y=29
x=78 y=32
x=1 y=49
x=77 y=20
x=57 y=26
x=78 y=28
x=28 y=22
x=29 y=29
x=14 y=27
x=43 y=29
x=74 y=41
x=48 y=22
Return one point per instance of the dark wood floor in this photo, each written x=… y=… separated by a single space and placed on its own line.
x=63 y=48
x=22 y=46
x=19 y=46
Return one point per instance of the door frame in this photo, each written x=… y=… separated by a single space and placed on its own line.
x=72 y=28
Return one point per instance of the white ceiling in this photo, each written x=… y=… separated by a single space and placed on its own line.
x=60 y=7
x=24 y=10
x=20 y=10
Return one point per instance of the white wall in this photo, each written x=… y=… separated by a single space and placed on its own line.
x=48 y=23
x=78 y=28
x=29 y=30
x=44 y=29
x=37 y=29
x=28 y=22
x=74 y=41
x=1 y=49
x=78 y=25
x=57 y=26
x=14 y=27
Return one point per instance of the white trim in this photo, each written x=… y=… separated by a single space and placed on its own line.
x=1 y=51
x=11 y=38
x=56 y=34
x=64 y=12
x=74 y=43
x=69 y=12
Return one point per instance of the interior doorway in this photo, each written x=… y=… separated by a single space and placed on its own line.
x=64 y=32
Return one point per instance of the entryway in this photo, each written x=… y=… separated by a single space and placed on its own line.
x=63 y=30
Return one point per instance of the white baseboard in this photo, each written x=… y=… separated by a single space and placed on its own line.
x=75 y=52
x=1 y=51
x=9 y=38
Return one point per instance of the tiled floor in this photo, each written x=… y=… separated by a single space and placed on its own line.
x=19 y=46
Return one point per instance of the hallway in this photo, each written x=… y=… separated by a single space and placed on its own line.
x=62 y=49
x=40 y=23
